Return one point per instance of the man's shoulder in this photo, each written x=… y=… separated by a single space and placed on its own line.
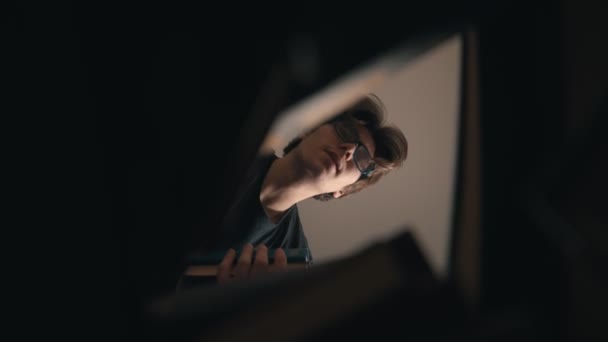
x=264 y=160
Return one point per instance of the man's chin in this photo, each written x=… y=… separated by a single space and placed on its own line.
x=319 y=170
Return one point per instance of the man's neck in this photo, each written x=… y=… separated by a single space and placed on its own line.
x=282 y=188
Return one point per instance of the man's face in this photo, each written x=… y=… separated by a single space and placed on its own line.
x=329 y=161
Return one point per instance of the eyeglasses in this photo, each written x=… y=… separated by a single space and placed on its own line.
x=347 y=132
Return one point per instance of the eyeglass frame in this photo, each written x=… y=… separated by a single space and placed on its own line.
x=350 y=123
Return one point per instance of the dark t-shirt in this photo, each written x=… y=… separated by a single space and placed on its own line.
x=246 y=220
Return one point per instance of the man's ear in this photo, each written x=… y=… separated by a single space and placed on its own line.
x=338 y=194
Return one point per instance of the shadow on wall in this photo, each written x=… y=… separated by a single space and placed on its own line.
x=423 y=100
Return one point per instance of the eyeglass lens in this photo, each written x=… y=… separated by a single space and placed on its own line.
x=347 y=132
x=362 y=157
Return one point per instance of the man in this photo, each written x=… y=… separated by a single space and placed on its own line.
x=337 y=159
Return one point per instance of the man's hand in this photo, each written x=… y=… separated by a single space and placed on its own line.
x=248 y=265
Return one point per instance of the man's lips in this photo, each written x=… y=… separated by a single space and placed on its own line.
x=334 y=158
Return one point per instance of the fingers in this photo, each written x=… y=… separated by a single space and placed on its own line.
x=225 y=267
x=280 y=260
x=243 y=265
x=260 y=264
x=248 y=266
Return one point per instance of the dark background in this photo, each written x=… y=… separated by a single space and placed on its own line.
x=134 y=121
